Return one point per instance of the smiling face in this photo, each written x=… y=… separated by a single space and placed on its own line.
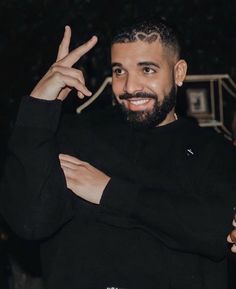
x=144 y=79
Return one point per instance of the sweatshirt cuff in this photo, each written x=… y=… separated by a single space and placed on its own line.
x=39 y=113
x=120 y=196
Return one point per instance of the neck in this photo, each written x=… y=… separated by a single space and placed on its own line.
x=171 y=117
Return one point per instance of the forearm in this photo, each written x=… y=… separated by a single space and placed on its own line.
x=34 y=196
x=195 y=221
x=35 y=200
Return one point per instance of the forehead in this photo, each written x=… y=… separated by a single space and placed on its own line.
x=138 y=51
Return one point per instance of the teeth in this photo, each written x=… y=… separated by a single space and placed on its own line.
x=139 y=101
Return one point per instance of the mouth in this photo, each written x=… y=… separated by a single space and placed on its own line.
x=138 y=104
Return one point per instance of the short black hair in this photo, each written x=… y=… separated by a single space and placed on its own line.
x=148 y=31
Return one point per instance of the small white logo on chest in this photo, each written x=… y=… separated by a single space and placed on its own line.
x=190 y=152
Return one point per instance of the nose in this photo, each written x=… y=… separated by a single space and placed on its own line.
x=132 y=84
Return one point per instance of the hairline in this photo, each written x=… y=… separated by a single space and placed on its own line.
x=174 y=51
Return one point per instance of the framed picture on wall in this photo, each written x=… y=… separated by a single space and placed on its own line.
x=197 y=102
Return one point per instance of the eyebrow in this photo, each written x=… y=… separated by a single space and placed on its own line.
x=148 y=63
x=116 y=64
x=143 y=63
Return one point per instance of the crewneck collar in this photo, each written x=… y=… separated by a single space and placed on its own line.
x=177 y=126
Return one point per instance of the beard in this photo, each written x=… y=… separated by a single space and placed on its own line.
x=149 y=118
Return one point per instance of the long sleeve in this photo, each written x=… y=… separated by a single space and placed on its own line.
x=195 y=218
x=34 y=198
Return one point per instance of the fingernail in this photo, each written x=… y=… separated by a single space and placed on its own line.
x=88 y=92
x=93 y=37
x=233 y=249
x=80 y=94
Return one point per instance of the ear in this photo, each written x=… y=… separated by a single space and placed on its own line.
x=180 y=72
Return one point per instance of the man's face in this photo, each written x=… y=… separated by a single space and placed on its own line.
x=143 y=81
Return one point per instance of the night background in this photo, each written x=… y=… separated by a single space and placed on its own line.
x=30 y=32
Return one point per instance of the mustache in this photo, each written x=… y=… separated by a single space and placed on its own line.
x=126 y=95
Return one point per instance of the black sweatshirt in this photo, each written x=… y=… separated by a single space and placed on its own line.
x=164 y=215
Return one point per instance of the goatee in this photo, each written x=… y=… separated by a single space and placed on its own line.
x=149 y=118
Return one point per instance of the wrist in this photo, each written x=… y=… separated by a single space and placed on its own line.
x=34 y=112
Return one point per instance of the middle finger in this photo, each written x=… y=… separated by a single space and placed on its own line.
x=75 y=54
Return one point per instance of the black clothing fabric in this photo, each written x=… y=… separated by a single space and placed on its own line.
x=163 y=217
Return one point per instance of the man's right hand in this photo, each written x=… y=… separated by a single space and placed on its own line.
x=232 y=237
x=61 y=77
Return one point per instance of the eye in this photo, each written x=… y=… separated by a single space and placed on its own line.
x=148 y=70
x=118 y=71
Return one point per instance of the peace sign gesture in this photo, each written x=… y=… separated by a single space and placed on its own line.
x=62 y=77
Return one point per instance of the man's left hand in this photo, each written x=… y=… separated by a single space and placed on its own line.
x=83 y=179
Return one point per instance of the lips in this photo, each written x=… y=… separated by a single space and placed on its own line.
x=139 y=101
x=136 y=104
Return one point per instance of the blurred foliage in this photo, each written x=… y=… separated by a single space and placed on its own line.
x=31 y=31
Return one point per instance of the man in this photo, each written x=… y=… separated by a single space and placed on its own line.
x=126 y=197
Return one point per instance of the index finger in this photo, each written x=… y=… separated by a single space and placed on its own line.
x=63 y=49
x=75 y=54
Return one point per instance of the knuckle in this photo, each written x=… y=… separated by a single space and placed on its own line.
x=57 y=74
x=54 y=68
x=78 y=83
x=80 y=73
x=81 y=77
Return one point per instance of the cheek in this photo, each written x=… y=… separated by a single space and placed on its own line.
x=161 y=87
x=117 y=87
x=155 y=88
x=155 y=85
x=116 y=91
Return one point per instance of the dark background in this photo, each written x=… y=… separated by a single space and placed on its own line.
x=31 y=30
